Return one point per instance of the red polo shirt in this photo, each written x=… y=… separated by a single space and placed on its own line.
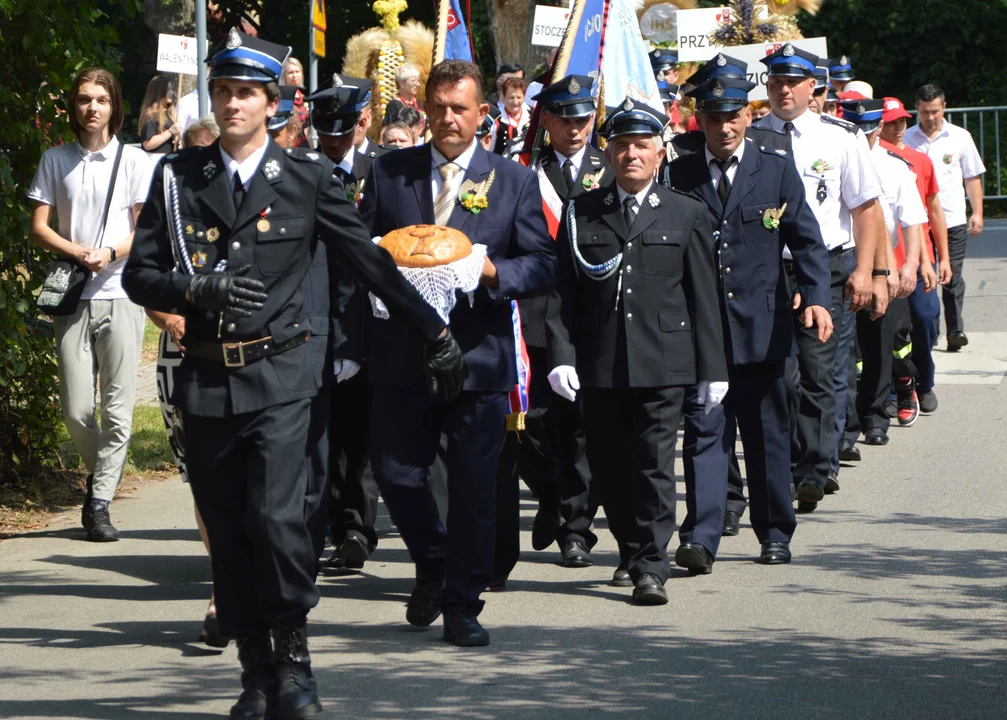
x=926 y=183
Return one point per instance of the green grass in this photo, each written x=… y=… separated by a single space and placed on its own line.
x=149 y=450
x=148 y=350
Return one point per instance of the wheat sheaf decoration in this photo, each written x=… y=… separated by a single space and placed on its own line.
x=752 y=23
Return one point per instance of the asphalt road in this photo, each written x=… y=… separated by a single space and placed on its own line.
x=895 y=605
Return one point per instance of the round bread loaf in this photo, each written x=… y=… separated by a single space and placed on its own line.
x=423 y=246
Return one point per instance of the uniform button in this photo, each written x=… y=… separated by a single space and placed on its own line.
x=730 y=296
x=725 y=246
x=724 y=223
x=231 y=327
x=629 y=316
x=629 y=291
x=200 y=233
x=629 y=268
x=683 y=323
x=235 y=245
x=727 y=271
x=283 y=231
x=664 y=237
x=629 y=245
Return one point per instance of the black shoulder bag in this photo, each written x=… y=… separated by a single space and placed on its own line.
x=65 y=281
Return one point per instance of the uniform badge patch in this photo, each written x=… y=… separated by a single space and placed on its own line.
x=212 y=235
x=189 y=230
x=271 y=169
x=654 y=200
x=209 y=169
x=609 y=199
x=199 y=259
x=311 y=156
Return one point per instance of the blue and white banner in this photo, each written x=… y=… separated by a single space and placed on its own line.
x=625 y=63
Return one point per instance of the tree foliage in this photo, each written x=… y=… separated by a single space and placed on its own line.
x=43 y=43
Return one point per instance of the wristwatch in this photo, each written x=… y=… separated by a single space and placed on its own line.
x=881 y=273
x=112 y=250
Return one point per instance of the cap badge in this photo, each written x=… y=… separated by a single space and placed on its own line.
x=721 y=60
x=718 y=90
x=661 y=76
x=657 y=53
x=788 y=50
x=861 y=109
x=233 y=39
x=574 y=87
x=628 y=105
x=844 y=60
x=337 y=81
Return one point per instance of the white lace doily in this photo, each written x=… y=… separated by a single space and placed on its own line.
x=438 y=285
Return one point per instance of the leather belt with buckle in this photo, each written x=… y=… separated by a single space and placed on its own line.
x=239 y=354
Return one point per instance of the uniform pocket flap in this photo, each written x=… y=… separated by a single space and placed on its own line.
x=595 y=238
x=283 y=329
x=667 y=237
x=672 y=320
x=281 y=228
x=753 y=212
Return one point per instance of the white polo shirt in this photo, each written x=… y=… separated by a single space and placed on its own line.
x=75 y=182
x=187 y=111
x=900 y=198
x=955 y=158
x=830 y=155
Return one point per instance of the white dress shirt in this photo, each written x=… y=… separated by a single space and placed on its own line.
x=826 y=152
x=732 y=169
x=640 y=197
x=577 y=159
x=246 y=169
x=900 y=199
x=347 y=162
x=462 y=161
x=955 y=159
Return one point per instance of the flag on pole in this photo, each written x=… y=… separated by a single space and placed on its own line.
x=452 y=42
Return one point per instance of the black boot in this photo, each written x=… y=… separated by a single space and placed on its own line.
x=296 y=696
x=85 y=515
x=257 y=677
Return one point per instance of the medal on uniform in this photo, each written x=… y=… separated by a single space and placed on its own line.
x=212 y=235
x=188 y=230
x=199 y=259
x=263 y=224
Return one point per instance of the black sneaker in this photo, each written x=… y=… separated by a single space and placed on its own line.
x=928 y=402
x=85 y=516
x=99 y=525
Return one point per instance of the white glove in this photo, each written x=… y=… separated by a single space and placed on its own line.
x=344 y=369
x=711 y=394
x=564 y=382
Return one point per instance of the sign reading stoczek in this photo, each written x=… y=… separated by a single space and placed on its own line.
x=549 y=25
x=176 y=54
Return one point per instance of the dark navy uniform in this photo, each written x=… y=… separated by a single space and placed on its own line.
x=765 y=210
x=549 y=455
x=635 y=312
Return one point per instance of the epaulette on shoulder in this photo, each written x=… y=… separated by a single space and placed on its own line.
x=183 y=155
x=305 y=155
x=899 y=157
x=768 y=140
x=844 y=124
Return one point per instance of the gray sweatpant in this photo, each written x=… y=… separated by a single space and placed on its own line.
x=101 y=339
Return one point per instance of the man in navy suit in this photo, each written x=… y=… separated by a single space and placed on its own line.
x=756 y=206
x=422 y=185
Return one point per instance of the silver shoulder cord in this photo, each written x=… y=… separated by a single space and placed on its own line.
x=598 y=273
x=178 y=250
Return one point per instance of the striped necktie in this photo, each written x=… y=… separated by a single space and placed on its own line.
x=445 y=201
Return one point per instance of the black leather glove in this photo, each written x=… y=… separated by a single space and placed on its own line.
x=445 y=366
x=232 y=294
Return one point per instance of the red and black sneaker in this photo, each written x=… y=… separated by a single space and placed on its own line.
x=906 y=400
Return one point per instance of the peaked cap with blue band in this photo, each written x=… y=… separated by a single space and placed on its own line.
x=635 y=118
x=720 y=65
x=791 y=61
x=667 y=90
x=721 y=94
x=821 y=79
x=243 y=57
x=663 y=59
x=279 y=121
x=840 y=68
x=568 y=97
x=335 y=110
x=866 y=112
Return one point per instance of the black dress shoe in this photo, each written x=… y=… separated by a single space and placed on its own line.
x=809 y=491
x=497 y=585
x=210 y=634
x=576 y=554
x=732 y=524
x=832 y=484
x=774 y=553
x=957 y=340
x=649 y=590
x=848 y=451
x=695 y=558
x=257 y=678
x=296 y=694
x=335 y=564
x=621 y=578
x=543 y=531
x=424 y=604
x=875 y=436
x=463 y=629
x=355 y=550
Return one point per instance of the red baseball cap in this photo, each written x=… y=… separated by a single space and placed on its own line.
x=852 y=95
x=894 y=109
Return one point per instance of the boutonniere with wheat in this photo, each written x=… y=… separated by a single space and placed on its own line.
x=473 y=195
